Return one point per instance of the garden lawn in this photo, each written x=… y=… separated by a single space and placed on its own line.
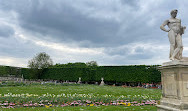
x=79 y=97
x=81 y=89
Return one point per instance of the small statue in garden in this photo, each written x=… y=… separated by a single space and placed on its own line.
x=79 y=81
x=102 y=82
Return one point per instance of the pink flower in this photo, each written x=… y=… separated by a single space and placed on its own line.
x=25 y=105
x=41 y=104
x=5 y=104
x=12 y=104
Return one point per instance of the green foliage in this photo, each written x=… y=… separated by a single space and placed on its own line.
x=137 y=73
x=3 y=70
x=40 y=61
x=70 y=65
x=31 y=73
x=8 y=70
x=71 y=74
x=92 y=64
x=155 y=75
x=37 y=64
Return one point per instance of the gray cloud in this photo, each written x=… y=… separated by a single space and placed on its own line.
x=68 y=24
x=13 y=47
x=6 y=31
x=64 y=22
x=116 y=26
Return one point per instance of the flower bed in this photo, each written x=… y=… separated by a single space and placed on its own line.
x=61 y=100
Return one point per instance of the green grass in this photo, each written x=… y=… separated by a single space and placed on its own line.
x=99 y=91
x=82 y=89
x=85 y=108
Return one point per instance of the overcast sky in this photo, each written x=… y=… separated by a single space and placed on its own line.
x=111 y=32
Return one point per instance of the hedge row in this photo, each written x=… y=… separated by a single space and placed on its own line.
x=8 y=70
x=71 y=74
x=136 y=73
x=30 y=73
x=122 y=74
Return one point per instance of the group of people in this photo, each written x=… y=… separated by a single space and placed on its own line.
x=147 y=85
x=143 y=85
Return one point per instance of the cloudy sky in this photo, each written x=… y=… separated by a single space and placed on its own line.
x=111 y=32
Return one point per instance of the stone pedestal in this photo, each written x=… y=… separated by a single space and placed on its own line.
x=174 y=77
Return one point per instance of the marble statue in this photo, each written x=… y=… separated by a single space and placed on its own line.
x=79 y=81
x=175 y=32
x=102 y=82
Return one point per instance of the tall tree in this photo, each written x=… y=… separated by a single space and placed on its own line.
x=40 y=61
x=92 y=64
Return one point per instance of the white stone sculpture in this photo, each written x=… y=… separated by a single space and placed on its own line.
x=79 y=81
x=102 y=82
x=175 y=32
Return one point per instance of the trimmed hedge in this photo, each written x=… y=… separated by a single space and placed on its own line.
x=137 y=73
x=30 y=73
x=123 y=73
x=8 y=70
x=71 y=74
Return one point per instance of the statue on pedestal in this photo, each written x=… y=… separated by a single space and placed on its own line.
x=174 y=74
x=175 y=32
